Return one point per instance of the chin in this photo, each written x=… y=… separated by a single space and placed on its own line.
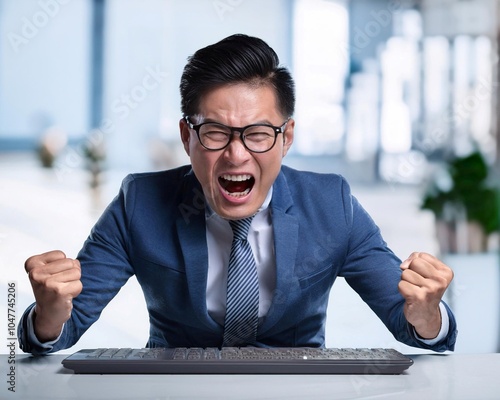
x=236 y=212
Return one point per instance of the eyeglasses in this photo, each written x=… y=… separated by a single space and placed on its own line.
x=257 y=138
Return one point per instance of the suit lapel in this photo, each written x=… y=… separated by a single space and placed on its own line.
x=285 y=229
x=191 y=229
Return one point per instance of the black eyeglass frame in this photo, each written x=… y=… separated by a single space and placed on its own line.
x=240 y=130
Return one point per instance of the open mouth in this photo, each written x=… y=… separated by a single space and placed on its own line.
x=237 y=185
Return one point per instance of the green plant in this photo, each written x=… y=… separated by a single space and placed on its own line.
x=469 y=190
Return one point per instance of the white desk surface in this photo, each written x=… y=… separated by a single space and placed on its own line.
x=433 y=376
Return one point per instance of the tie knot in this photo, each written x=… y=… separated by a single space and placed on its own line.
x=240 y=227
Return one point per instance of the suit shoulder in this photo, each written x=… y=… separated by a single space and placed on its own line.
x=321 y=199
x=327 y=193
x=165 y=186
x=314 y=179
x=171 y=176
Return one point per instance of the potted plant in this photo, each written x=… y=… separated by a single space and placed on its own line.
x=465 y=201
x=466 y=205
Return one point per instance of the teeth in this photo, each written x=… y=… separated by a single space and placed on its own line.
x=236 y=178
x=238 y=194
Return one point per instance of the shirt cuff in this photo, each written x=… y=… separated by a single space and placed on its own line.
x=445 y=327
x=32 y=336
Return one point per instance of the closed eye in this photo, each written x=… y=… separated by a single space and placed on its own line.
x=258 y=137
x=216 y=136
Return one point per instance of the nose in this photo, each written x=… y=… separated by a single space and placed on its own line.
x=236 y=153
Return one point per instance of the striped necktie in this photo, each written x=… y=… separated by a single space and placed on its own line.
x=242 y=299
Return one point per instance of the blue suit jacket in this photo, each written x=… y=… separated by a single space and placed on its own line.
x=155 y=229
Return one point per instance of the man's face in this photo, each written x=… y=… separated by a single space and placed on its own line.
x=226 y=174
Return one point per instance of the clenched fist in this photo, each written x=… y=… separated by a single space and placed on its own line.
x=56 y=282
x=423 y=283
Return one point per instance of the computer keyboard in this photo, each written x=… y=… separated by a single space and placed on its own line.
x=238 y=360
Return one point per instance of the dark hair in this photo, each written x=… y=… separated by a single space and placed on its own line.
x=235 y=59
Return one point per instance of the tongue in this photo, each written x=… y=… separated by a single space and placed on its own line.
x=236 y=187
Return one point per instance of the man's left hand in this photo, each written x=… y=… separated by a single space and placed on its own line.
x=423 y=283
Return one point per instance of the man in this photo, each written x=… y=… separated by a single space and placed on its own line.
x=174 y=231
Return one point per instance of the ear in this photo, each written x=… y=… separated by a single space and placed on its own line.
x=185 y=134
x=288 y=136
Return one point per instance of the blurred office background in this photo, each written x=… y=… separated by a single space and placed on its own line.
x=390 y=93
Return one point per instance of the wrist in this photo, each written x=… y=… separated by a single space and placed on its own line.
x=429 y=328
x=46 y=329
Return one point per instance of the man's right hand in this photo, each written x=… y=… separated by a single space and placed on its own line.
x=56 y=282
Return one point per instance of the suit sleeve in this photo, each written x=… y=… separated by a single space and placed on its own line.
x=105 y=269
x=372 y=270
